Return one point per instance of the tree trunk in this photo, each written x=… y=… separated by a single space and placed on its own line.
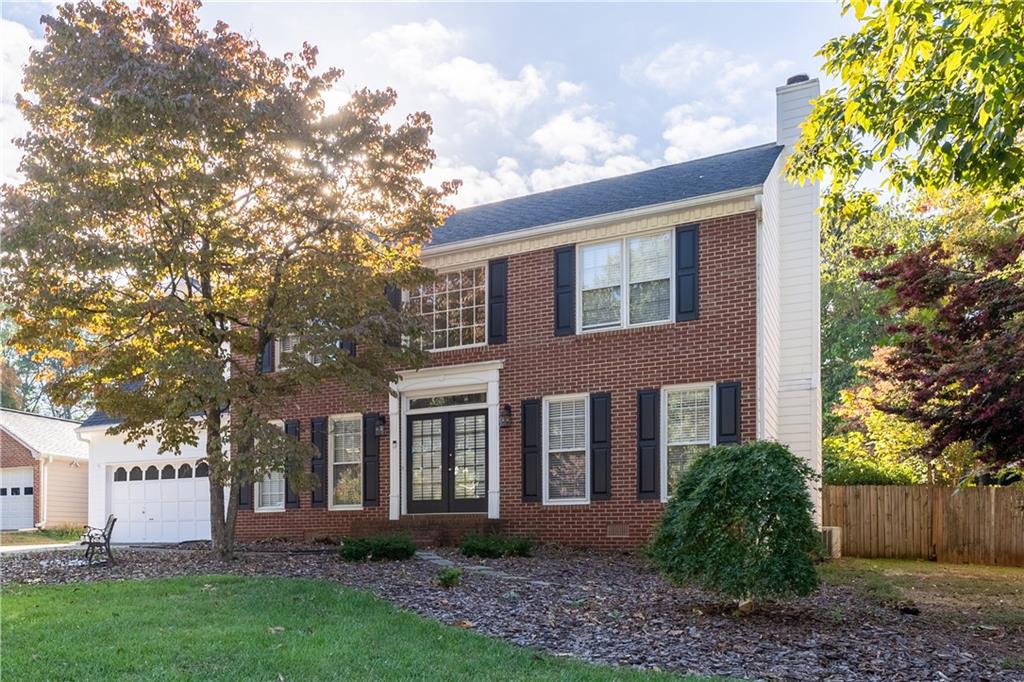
x=222 y=517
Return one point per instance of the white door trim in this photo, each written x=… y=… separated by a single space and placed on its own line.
x=443 y=380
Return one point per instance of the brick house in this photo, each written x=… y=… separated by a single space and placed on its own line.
x=588 y=342
x=43 y=473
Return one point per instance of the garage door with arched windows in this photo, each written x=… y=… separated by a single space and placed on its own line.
x=161 y=502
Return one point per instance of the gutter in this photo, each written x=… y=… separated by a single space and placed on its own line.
x=591 y=221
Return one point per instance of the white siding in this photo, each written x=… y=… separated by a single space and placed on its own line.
x=793 y=210
x=66 y=498
x=768 y=309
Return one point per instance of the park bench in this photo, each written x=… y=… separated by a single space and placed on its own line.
x=98 y=540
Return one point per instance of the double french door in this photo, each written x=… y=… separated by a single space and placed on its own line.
x=447 y=462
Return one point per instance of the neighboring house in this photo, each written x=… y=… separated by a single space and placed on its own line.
x=43 y=472
x=588 y=342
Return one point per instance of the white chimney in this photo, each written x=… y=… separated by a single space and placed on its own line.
x=789 y=326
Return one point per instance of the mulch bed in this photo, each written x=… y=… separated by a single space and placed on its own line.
x=611 y=609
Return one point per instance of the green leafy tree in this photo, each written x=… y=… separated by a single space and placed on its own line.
x=929 y=94
x=26 y=381
x=187 y=199
x=740 y=523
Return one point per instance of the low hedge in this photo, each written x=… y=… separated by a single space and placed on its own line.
x=496 y=546
x=377 y=548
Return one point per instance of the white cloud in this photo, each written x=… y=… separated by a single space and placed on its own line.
x=691 y=136
x=573 y=173
x=568 y=90
x=480 y=186
x=416 y=44
x=15 y=43
x=580 y=138
x=480 y=84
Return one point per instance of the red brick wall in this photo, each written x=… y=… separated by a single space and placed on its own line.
x=719 y=346
x=14 y=454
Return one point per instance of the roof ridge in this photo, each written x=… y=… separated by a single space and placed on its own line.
x=41 y=416
x=616 y=177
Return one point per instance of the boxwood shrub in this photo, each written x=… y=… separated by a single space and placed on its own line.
x=495 y=546
x=377 y=548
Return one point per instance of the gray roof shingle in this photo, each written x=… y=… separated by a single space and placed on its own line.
x=710 y=175
x=45 y=435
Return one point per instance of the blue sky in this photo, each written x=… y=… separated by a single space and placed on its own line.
x=526 y=97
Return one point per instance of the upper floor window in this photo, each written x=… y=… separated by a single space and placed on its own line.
x=626 y=282
x=454 y=307
x=688 y=419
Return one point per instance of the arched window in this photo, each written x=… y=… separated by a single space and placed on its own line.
x=185 y=471
x=202 y=470
x=120 y=474
x=151 y=473
x=135 y=474
x=167 y=471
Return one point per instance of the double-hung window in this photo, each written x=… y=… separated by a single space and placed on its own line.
x=346 y=460
x=566 y=474
x=626 y=282
x=269 y=492
x=688 y=419
x=454 y=307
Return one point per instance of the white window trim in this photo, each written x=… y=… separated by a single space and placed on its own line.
x=278 y=365
x=256 y=507
x=487 y=295
x=624 y=286
x=663 y=426
x=544 y=450
x=351 y=416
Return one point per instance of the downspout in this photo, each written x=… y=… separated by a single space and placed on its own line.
x=42 y=493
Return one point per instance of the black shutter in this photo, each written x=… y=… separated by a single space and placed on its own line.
x=267 y=358
x=318 y=435
x=371 y=461
x=600 y=446
x=394 y=296
x=497 y=301
x=291 y=497
x=531 y=450
x=565 y=291
x=687 y=259
x=245 y=496
x=648 y=459
x=728 y=427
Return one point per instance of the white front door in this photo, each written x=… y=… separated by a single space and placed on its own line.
x=17 y=495
x=160 y=502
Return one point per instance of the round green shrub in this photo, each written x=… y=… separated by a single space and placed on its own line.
x=740 y=523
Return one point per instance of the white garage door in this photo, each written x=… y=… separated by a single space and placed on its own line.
x=16 y=497
x=161 y=502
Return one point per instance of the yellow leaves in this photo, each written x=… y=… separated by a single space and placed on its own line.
x=859 y=8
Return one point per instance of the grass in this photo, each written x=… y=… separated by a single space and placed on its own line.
x=48 y=536
x=965 y=594
x=232 y=628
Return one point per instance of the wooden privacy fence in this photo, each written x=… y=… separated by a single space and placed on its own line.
x=983 y=525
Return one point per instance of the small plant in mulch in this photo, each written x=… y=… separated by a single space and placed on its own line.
x=496 y=546
x=377 y=548
x=449 y=577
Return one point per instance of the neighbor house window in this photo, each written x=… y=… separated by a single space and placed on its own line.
x=626 y=282
x=565 y=449
x=688 y=434
x=454 y=307
x=346 y=458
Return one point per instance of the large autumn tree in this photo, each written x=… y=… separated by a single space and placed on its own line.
x=187 y=199
x=929 y=93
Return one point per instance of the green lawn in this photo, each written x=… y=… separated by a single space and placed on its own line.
x=49 y=536
x=229 y=628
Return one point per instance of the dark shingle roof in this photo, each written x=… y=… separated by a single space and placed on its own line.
x=710 y=175
x=99 y=418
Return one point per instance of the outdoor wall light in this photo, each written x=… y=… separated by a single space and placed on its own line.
x=506 y=415
x=378 y=428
